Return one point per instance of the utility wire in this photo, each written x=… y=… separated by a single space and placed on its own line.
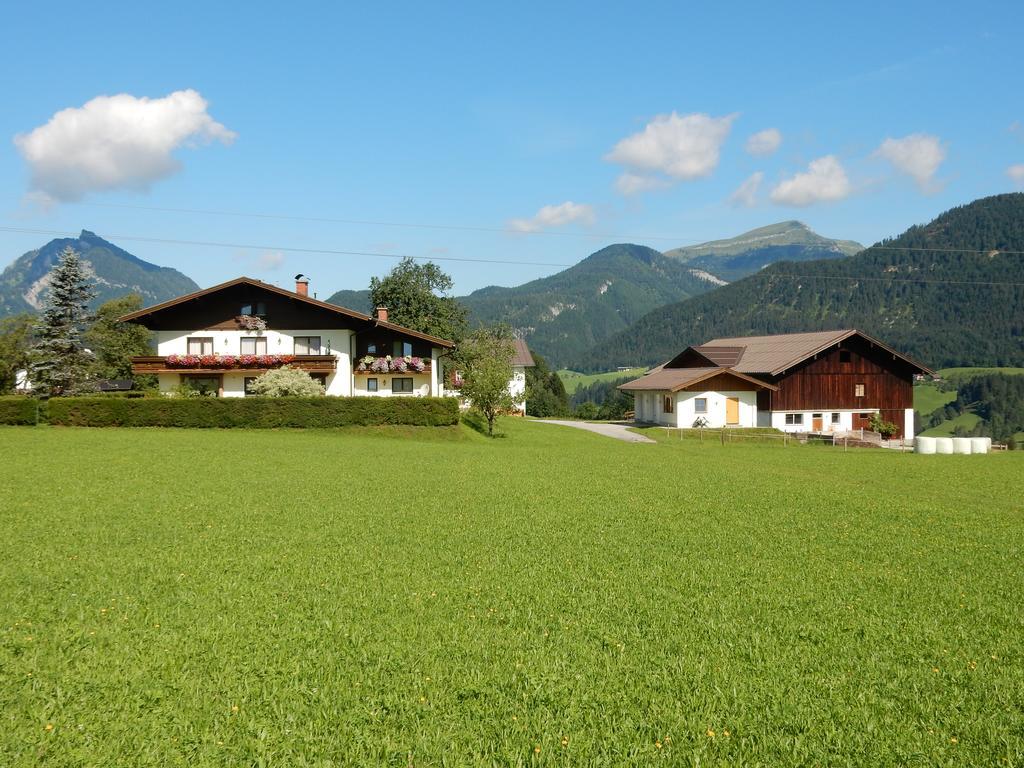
x=336 y=252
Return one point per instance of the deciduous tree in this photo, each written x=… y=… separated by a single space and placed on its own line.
x=15 y=348
x=113 y=344
x=487 y=359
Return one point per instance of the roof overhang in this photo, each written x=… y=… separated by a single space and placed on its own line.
x=146 y=311
x=838 y=340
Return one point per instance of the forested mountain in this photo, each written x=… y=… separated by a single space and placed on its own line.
x=745 y=254
x=357 y=300
x=565 y=314
x=24 y=284
x=955 y=298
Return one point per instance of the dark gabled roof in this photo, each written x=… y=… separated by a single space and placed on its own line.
x=775 y=354
x=291 y=295
x=522 y=355
x=674 y=379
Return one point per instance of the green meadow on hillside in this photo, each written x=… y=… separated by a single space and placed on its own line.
x=573 y=380
x=551 y=597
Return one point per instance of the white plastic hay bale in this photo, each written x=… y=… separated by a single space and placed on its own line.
x=962 y=445
x=943 y=444
x=980 y=444
x=924 y=445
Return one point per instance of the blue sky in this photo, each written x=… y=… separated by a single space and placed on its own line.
x=554 y=128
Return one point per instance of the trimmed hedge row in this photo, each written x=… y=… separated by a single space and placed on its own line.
x=20 y=410
x=253 y=412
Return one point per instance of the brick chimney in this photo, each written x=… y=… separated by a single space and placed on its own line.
x=381 y=313
x=302 y=285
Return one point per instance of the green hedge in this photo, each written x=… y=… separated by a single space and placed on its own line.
x=19 y=410
x=252 y=412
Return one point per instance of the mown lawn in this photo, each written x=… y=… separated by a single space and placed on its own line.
x=210 y=598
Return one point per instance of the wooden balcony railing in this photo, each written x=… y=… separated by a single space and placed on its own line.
x=235 y=364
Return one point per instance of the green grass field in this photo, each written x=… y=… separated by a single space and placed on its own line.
x=954 y=374
x=573 y=380
x=553 y=597
x=928 y=398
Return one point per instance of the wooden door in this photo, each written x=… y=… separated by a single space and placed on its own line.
x=816 y=422
x=732 y=410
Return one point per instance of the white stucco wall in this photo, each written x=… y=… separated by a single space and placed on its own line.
x=778 y=420
x=908 y=423
x=420 y=385
x=278 y=343
x=517 y=387
x=649 y=407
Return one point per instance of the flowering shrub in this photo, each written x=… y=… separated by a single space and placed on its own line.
x=388 y=363
x=251 y=323
x=228 y=361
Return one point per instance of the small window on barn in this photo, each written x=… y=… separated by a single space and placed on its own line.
x=794 y=419
x=667 y=404
x=700 y=405
x=858 y=390
x=844 y=355
x=835 y=418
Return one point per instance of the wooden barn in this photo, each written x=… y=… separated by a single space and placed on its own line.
x=824 y=382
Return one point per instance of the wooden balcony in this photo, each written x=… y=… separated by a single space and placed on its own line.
x=410 y=372
x=311 y=363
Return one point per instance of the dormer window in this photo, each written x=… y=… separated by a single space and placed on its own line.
x=257 y=308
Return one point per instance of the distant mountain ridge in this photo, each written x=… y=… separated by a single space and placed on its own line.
x=946 y=293
x=737 y=257
x=563 y=314
x=24 y=284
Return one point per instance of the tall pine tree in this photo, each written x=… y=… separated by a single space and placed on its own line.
x=60 y=363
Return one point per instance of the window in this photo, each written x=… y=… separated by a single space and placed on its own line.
x=319 y=378
x=258 y=308
x=254 y=346
x=200 y=345
x=402 y=349
x=700 y=405
x=835 y=418
x=207 y=386
x=371 y=349
x=858 y=390
x=844 y=355
x=401 y=385
x=247 y=383
x=307 y=345
x=667 y=404
x=794 y=419
x=371 y=385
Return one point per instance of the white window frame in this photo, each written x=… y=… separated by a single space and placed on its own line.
x=700 y=405
x=255 y=341
x=794 y=419
x=304 y=341
x=403 y=391
x=205 y=345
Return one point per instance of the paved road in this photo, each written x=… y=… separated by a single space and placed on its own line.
x=612 y=429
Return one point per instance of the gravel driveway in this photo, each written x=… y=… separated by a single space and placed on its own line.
x=613 y=429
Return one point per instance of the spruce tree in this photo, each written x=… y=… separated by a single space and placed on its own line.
x=60 y=363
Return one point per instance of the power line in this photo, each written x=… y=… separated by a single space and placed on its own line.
x=250 y=246
x=370 y=222
x=337 y=252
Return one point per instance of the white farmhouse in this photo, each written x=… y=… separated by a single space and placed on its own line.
x=221 y=339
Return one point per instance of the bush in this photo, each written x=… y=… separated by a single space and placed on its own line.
x=287 y=382
x=19 y=409
x=253 y=412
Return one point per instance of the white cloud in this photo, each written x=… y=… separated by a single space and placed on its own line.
x=918 y=155
x=115 y=142
x=824 y=180
x=683 y=147
x=746 y=193
x=1016 y=174
x=554 y=216
x=634 y=183
x=270 y=260
x=764 y=143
